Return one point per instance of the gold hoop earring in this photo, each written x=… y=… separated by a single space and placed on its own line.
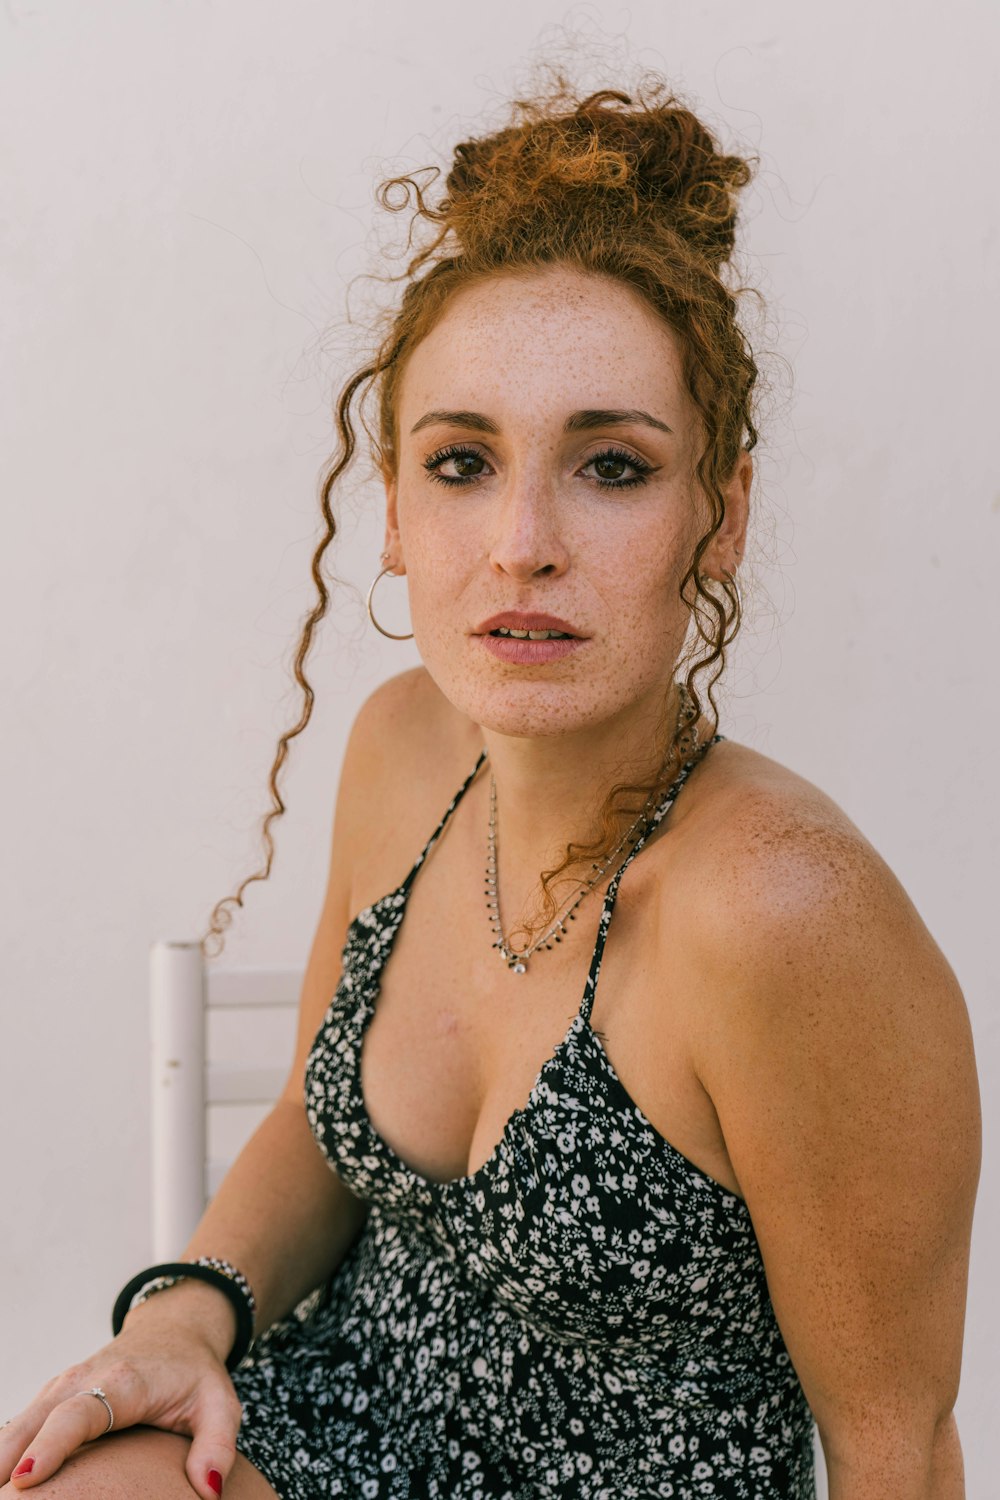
x=380 y=628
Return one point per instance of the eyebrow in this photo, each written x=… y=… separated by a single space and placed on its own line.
x=580 y=421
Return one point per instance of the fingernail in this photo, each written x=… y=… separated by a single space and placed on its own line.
x=215 y=1480
x=24 y=1467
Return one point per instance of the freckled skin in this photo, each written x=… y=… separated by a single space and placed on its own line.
x=536 y=531
x=771 y=999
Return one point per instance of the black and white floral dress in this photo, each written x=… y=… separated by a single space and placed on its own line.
x=586 y=1317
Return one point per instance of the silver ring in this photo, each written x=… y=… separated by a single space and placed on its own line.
x=96 y=1391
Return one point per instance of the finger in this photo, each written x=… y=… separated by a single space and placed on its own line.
x=16 y=1432
x=213 y=1445
x=78 y=1419
x=16 y=1435
x=13 y=1436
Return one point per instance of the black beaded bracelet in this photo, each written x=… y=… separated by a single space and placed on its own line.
x=242 y=1300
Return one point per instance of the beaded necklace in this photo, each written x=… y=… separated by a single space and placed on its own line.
x=517 y=959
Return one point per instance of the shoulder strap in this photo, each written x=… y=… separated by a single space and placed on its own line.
x=441 y=826
x=663 y=807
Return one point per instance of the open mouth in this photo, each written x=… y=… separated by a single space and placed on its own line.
x=528 y=637
x=529 y=648
x=503 y=633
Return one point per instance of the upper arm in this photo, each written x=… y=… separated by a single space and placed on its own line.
x=355 y=823
x=839 y=1058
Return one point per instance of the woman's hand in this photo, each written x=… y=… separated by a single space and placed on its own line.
x=166 y=1369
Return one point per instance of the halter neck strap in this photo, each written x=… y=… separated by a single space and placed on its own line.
x=441 y=826
x=611 y=895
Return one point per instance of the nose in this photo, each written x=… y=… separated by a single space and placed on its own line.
x=527 y=540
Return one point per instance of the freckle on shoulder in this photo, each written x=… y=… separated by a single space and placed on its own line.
x=769 y=841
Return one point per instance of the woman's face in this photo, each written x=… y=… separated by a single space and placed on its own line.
x=545 y=454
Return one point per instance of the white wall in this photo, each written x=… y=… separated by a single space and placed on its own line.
x=189 y=191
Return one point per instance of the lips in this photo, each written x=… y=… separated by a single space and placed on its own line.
x=512 y=619
x=519 y=650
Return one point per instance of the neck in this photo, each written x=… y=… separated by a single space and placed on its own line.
x=551 y=789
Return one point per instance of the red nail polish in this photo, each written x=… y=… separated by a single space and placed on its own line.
x=24 y=1467
x=215 y=1480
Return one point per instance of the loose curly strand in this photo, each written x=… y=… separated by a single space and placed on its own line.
x=221 y=916
x=627 y=185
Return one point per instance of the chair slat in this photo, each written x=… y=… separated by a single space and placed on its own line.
x=183 y=989
x=227 y=1085
x=252 y=987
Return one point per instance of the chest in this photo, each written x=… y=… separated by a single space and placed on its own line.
x=456 y=1041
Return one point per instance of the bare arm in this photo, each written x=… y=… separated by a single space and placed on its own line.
x=281 y=1214
x=842 y=1069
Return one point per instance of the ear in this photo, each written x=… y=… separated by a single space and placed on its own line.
x=393 y=546
x=725 y=551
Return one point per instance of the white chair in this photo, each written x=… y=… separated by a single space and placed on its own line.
x=190 y=1086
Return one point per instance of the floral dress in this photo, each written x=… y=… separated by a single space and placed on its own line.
x=585 y=1317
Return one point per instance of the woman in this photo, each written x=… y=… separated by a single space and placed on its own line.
x=649 y=1100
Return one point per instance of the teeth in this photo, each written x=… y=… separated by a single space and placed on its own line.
x=532 y=635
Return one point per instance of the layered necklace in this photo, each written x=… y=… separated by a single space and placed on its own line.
x=516 y=959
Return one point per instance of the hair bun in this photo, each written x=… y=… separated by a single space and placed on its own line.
x=608 y=156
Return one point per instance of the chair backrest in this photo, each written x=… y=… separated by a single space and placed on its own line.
x=205 y=1105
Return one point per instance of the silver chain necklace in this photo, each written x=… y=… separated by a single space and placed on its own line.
x=517 y=959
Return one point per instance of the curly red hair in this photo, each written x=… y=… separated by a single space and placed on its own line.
x=628 y=185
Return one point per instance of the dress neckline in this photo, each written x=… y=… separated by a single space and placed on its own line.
x=395 y=902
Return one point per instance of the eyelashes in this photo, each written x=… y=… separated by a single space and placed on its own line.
x=453 y=453
x=617 y=457
x=611 y=457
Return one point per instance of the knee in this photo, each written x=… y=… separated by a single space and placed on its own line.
x=138 y=1461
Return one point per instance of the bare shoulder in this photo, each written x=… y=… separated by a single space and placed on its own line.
x=412 y=702
x=789 y=897
x=409 y=750
x=815 y=961
x=835 y=1045
x=774 y=857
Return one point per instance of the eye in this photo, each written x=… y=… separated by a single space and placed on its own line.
x=611 y=466
x=466 y=465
